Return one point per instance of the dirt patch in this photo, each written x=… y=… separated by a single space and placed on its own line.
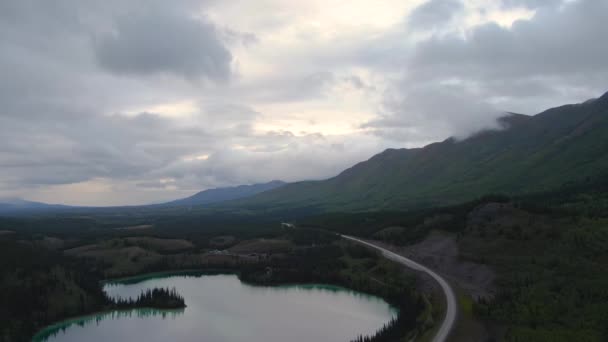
x=440 y=252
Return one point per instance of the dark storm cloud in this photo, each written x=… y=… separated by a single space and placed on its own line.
x=434 y=13
x=63 y=88
x=54 y=152
x=82 y=82
x=57 y=107
x=553 y=42
x=164 y=41
x=457 y=84
x=557 y=52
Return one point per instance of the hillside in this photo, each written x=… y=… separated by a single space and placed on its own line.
x=226 y=194
x=559 y=146
x=17 y=205
x=530 y=269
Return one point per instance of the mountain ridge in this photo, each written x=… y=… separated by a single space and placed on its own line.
x=217 y=195
x=560 y=145
x=17 y=204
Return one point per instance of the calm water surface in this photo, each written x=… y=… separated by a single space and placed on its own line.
x=222 y=309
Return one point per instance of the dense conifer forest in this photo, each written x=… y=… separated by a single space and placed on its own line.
x=153 y=298
x=548 y=251
x=65 y=286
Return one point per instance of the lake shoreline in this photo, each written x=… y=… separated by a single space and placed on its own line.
x=120 y=280
x=51 y=329
x=40 y=335
x=56 y=326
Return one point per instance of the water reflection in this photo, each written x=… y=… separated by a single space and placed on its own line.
x=96 y=319
x=222 y=309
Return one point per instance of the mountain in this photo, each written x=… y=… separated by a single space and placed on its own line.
x=226 y=194
x=560 y=146
x=11 y=205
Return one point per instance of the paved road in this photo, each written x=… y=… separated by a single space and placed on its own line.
x=450 y=317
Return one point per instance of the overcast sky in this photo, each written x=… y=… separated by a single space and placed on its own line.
x=136 y=101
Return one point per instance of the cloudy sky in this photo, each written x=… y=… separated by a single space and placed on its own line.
x=138 y=101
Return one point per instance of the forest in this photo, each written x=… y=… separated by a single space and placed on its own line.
x=322 y=258
x=156 y=298
x=66 y=285
x=549 y=251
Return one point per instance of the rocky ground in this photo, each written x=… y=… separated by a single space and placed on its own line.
x=440 y=252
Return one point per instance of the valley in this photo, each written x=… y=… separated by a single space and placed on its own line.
x=518 y=258
x=295 y=171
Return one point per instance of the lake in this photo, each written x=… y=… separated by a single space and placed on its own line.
x=220 y=308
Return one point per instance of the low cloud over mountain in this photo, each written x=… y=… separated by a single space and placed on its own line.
x=129 y=102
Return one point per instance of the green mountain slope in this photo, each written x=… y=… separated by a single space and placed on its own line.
x=563 y=145
x=225 y=194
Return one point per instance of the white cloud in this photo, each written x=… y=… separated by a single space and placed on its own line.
x=136 y=101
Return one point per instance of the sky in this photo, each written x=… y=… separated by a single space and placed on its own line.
x=141 y=101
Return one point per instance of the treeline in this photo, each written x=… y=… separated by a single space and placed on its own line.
x=39 y=287
x=406 y=324
x=416 y=223
x=584 y=199
x=157 y=298
x=578 y=200
x=350 y=266
x=390 y=332
x=552 y=283
x=549 y=250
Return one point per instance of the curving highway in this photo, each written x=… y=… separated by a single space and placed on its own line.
x=450 y=316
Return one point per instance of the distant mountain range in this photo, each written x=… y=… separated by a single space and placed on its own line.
x=17 y=204
x=560 y=146
x=225 y=194
x=206 y=197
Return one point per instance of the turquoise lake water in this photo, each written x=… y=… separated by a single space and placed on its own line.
x=222 y=309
